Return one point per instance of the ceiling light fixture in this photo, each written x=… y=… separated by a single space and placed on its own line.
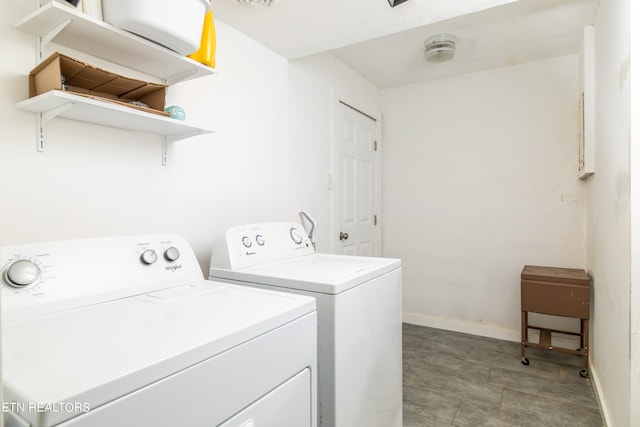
x=440 y=48
x=257 y=3
x=394 y=3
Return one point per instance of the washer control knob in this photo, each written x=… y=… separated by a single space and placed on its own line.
x=148 y=257
x=260 y=240
x=246 y=241
x=22 y=273
x=172 y=254
x=295 y=236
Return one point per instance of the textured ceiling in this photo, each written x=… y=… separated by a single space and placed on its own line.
x=524 y=31
x=386 y=44
x=297 y=28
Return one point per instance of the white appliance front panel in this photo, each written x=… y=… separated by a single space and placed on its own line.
x=287 y=406
x=97 y=353
x=211 y=392
x=359 y=352
x=323 y=273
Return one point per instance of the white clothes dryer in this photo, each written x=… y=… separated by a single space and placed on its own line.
x=126 y=332
x=359 y=316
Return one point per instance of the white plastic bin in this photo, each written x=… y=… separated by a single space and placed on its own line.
x=175 y=24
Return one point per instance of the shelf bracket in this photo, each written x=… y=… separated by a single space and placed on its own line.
x=45 y=39
x=167 y=139
x=43 y=119
x=165 y=147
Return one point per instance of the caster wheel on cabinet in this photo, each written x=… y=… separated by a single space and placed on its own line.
x=525 y=361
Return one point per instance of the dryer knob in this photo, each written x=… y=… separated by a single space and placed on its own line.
x=172 y=254
x=22 y=273
x=148 y=257
x=260 y=240
x=246 y=241
x=295 y=236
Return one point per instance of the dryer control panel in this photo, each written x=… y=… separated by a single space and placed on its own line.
x=254 y=244
x=40 y=278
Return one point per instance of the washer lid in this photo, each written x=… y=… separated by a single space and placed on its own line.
x=95 y=354
x=324 y=273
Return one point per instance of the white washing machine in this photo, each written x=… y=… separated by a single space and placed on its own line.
x=359 y=316
x=126 y=332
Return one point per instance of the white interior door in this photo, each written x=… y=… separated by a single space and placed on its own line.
x=356 y=187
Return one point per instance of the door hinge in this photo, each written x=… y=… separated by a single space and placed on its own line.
x=375 y=220
x=375 y=145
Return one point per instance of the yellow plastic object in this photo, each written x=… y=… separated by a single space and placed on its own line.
x=206 y=54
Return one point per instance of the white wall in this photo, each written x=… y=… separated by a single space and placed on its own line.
x=478 y=172
x=634 y=169
x=608 y=215
x=316 y=83
x=479 y=179
x=94 y=181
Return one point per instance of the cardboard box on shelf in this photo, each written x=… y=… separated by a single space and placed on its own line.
x=61 y=72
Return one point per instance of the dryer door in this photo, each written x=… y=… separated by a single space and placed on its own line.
x=289 y=405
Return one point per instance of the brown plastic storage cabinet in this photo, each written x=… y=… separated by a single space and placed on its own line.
x=559 y=292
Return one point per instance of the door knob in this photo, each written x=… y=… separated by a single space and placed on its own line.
x=344 y=236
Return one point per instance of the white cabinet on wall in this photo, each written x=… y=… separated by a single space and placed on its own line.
x=586 y=107
x=67 y=26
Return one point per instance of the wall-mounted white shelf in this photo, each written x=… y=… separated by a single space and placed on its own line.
x=76 y=107
x=65 y=25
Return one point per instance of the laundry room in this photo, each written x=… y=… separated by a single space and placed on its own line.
x=475 y=175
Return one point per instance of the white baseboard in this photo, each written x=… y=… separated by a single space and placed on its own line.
x=595 y=380
x=484 y=330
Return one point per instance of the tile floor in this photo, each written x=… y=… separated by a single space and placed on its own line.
x=455 y=379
